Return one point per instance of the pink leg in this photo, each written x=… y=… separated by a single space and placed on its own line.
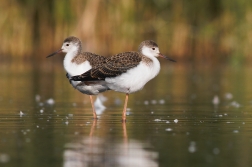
x=92 y=103
x=92 y=128
x=125 y=108
x=125 y=138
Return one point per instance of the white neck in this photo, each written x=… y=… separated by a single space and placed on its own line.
x=73 y=68
x=155 y=67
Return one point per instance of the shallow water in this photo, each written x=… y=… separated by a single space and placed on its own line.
x=186 y=116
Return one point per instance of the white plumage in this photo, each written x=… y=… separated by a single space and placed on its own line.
x=134 y=79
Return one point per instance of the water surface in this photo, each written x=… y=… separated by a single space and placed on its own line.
x=188 y=115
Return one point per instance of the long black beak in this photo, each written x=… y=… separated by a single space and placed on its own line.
x=165 y=57
x=58 y=51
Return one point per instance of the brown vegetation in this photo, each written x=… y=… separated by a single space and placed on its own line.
x=207 y=30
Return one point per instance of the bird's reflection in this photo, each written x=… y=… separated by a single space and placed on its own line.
x=94 y=151
x=98 y=104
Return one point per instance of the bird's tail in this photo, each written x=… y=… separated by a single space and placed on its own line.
x=83 y=77
x=76 y=78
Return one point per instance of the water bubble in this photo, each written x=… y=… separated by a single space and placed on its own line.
x=168 y=129
x=192 y=147
x=37 y=98
x=228 y=96
x=128 y=112
x=128 y=109
x=4 y=158
x=21 y=113
x=153 y=101
x=216 y=151
x=50 y=101
x=146 y=102
x=235 y=131
x=118 y=101
x=235 y=104
x=216 y=100
x=157 y=120
x=162 y=101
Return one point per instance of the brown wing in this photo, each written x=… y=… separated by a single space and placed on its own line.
x=112 y=67
x=116 y=65
x=94 y=59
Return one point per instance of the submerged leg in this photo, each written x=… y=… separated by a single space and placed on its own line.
x=92 y=128
x=125 y=139
x=125 y=108
x=92 y=103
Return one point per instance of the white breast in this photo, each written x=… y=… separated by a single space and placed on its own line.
x=135 y=78
x=75 y=69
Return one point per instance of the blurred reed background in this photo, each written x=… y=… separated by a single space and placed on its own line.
x=208 y=31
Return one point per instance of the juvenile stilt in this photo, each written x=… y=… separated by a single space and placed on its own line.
x=92 y=103
x=126 y=72
x=125 y=108
x=76 y=62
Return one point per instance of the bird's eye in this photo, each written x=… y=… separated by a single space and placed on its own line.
x=153 y=48
x=67 y=44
